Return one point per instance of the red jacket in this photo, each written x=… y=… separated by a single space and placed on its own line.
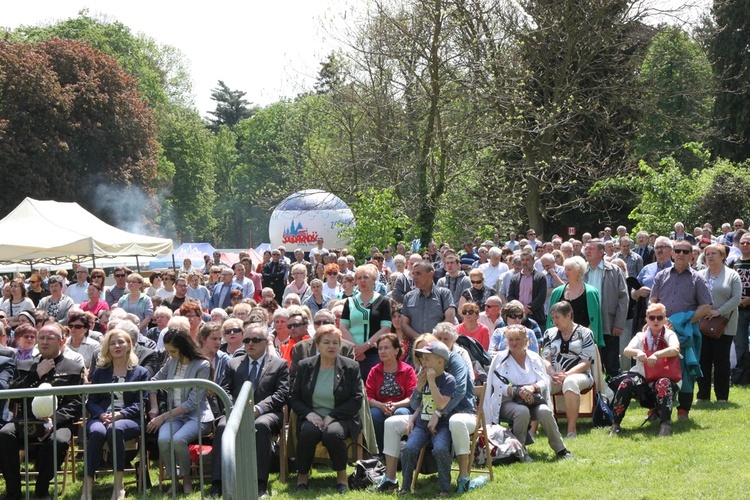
x=405 y=377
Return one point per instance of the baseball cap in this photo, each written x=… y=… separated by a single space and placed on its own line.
x=436 y=348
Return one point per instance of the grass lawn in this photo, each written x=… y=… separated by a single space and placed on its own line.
x=706 y=457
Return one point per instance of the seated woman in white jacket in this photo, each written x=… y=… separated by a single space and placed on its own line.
x=518 y=390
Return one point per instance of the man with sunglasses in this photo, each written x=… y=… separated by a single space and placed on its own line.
x=297 y=332
x=683 y=291
x=270 y=378
x=115 y=293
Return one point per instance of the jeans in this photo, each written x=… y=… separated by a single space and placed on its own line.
x=378 y=421
x=184 y=431
x=441 y=450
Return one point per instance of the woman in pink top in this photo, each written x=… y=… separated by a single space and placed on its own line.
x=95 y=303
x=471 y=327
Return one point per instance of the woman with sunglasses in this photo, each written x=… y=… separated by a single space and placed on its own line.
x=662 y=343
x=511 y=314
x=233 y=335
x=471 y=327
x=331 y=287
x=477 y=292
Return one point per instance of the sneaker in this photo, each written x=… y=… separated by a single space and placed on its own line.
x=615 y=430
x=463 y=485
x=665 y=430
x=341 y=488
x=443 y=494
x=564 y=454
x=386 y=484
x=682 y=414
x=526 y=459
x=571 y=435
x=404 y=491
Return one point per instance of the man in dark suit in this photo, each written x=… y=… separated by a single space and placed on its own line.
x=645 y=250
x=270 y=377
x=529 y=280
x=306 y=348
x=53 y=368
x=220 y=298
x=274 y=275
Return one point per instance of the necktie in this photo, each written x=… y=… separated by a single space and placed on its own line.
x=254 y=373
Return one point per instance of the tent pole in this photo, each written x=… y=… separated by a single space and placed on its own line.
x=93 y=260
x=174 y=266
x=137 y=264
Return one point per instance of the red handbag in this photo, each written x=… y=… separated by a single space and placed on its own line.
x=665 y=367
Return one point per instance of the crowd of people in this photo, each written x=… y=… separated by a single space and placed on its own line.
x=404 y=337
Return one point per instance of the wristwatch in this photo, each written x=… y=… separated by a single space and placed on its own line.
x=438 y=413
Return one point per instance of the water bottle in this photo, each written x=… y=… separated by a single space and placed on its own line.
x=479 y=482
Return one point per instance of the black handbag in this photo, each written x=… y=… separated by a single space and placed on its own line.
x=367 y=472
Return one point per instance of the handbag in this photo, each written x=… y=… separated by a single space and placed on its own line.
x=367 y=472
x=603 y=415
x=713 y=328
x=665 y=367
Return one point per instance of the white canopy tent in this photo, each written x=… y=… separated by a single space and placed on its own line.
x=51 y=232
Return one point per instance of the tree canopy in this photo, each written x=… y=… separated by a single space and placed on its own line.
x=70 y=120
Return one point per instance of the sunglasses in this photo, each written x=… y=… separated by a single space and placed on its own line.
x=295 y=325
x=470 y=312
x=684 y=251
x=232 y=331
x=76 y=327
x=119 y=275
x=655 y=317
x=324 y=322
x=515 y=316
x=477 y=282
x=254 y=340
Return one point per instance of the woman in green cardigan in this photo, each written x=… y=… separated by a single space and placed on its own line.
x=583 y=298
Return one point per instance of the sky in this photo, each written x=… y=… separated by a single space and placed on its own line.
x=267 y=49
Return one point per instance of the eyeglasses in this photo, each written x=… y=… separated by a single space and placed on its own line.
x=684 y=251
x=470 y=312
x=254 y=340
x=655 y=317
x=77 y=326
x=29 y=337
x=33 y=281
x=477 y=282
x=515 y=316
x=322 y=322
x=295 y=325
x=232 y=331
x=119 y=275
x=744 y=242
x=661 y=247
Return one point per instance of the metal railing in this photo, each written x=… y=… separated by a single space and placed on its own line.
x=242 y=441
x=239 y=474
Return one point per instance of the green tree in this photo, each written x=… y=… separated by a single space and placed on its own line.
x=160 y=70
x=192 y=197
x=231 y=107
x=71 y=120
x=379 y=221
x=676 y=82
x=730 y=59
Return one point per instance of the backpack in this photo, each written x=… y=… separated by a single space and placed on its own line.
x=475 y=350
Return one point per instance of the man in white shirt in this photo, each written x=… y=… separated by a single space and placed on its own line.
x=388 y=259
x=78 y=291
x=494 y=268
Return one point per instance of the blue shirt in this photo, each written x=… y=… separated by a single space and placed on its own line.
x=649 y=272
